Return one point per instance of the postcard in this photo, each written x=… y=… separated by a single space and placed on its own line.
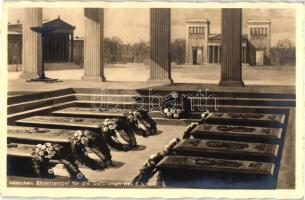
x=152 y=99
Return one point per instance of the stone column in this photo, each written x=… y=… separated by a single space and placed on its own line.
x=214 y=51
x=218 y=58
x=231 y=27
x=72 y=47
x=244 y=53
x=94 y=45
x=31 y=41
x=160 y=38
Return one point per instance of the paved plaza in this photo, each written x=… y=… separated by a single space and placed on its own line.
x=210 y=73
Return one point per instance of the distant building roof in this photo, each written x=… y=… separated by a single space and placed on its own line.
x=214 y=36
x=59 y=24
x=13 y=33
x=254 y=21
x=79 y=38
x=197 y=21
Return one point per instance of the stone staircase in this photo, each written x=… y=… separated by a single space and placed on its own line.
x=245 y=135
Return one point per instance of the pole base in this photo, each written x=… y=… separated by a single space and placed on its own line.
x=230 y=83
x=94 y=78
x=160 y=81
x=44 y=79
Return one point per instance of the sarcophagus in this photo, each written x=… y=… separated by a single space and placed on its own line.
x=248 y=119
x=22 y=133
x=188 y=163
x=226 y=149
x=61 y=122
x=89 y=112
x=260 y=133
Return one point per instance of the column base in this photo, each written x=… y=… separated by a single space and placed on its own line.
x=28 y=76
x=229 y=83
x=162 y=81
x=94 y=78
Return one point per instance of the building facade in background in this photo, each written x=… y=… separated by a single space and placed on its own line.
x=58 y=45
x=203 y=47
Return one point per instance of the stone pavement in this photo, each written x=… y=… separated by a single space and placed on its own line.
x=257 y=79
x=210 y=73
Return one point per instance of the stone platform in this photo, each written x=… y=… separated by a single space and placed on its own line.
x=234 y=123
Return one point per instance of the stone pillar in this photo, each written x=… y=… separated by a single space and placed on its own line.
x=231 y=33
x=94 y=45
x=218 y=57
x=160 y=38
x=72 y=47
x=32 y=44
x=214 y=51
x=245 y=53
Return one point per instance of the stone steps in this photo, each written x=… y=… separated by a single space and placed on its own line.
x=22 y=98
x=250 y=119
x=227 y=149
x=162 y=92
x=195 y=109
x=37 y=111
x=256 y=152
x=196 y=101
x=30 y=105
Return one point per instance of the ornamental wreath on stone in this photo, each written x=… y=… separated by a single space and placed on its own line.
x=118 y=134
x=43 y=153
x=174 y=106
x=193 y=125
x=141 y=117
x=82 y=139
x=149 y=168
x=78 y=145
x=41 y=157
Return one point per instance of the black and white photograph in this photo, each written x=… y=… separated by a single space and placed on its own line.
x=153 y=97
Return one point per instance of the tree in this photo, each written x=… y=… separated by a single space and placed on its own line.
x=283 y=53
x=112 y=49
x=284 y=44
x=178 y=51
x=140 y=51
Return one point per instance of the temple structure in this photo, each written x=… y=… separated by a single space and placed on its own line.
x=58 y=45
x=160 y=31
x=203 y=47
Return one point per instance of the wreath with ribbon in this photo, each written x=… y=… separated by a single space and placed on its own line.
x=141 y=117
x=82 y=139
x=149 y=168
x=118 y=134
x=43 y=153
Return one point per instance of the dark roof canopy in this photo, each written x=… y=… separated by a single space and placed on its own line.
x=218 y=36
x=60 y=25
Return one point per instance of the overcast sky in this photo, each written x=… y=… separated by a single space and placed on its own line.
x=132 y=25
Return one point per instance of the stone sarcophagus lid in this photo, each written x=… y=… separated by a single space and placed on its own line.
x=203 y=131
x=74 y=123
x=248 y=119
x=227 y=149
x=174 y=163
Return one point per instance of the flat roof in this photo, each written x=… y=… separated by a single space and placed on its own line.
x=259 y=21
x=197 y=21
